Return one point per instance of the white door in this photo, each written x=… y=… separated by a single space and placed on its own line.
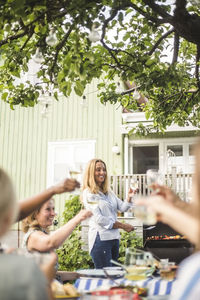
x=65 y=155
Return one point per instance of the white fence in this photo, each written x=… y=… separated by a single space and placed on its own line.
x=180 y=183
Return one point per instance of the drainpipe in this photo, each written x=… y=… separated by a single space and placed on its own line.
x=126 y=158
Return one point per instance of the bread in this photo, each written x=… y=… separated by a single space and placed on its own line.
x=57 y=288
x=70 y=290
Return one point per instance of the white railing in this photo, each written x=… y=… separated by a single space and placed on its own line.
x=180 y=183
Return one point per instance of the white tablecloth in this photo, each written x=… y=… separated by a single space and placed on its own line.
x=156 y=286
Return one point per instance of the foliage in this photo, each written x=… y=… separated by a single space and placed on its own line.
x=71 y=256
x=128 y=240
x=152 y=43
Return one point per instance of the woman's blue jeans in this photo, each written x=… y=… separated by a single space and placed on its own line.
x=103 y=251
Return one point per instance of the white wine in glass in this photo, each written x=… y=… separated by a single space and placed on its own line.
x=92 y=202
x=75 y=174
x=134 y=184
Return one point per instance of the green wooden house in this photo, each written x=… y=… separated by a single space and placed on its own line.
x=39 y=147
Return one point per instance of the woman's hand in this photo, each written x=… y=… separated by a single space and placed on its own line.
x=157 y=204
x=169 y=196
x=128 y=227
x=124 y=226
x=131 y=194
x=67 y=185
x=83 y=214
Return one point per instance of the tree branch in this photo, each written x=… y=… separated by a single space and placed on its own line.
x=160 y=40
x=14 y=37
x=157 y=9
x=28 y=38
x=129 y=91
x=176 y=47
x=112 y=16
x=197 y=66
x=144 y=14
x=58 y=48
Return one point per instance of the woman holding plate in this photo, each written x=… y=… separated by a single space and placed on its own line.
x=103 y=237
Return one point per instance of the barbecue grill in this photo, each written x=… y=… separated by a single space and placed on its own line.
x=164 y=242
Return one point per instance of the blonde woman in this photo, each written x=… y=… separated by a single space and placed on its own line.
x=103 y=225
x=36 y=226
x=21 y=278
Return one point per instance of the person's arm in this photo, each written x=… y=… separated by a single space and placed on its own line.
x=102 y=216
x=123 y=206
x=42 y=242
x=27 y=206
x=124 y=226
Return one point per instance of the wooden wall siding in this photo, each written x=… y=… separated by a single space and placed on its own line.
x=24 y=137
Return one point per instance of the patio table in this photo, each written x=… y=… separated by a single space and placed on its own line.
x=156 y=286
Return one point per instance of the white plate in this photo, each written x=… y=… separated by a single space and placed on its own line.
x=99 y=273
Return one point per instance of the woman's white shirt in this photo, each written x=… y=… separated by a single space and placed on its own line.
x=104 y=215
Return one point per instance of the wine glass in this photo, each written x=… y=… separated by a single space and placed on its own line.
x=144 y=213
x=134 y=184
x=154 y=177
x=75 y=173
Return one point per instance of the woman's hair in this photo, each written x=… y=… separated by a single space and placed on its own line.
x=89 y=178
x=31 y=222
x=7 y=196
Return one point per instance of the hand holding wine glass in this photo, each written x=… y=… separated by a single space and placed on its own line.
x=133 y=190
x=154 y=177
x=75 y=174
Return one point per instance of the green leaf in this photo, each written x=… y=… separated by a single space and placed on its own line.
x=4 y=96
x=79 y=88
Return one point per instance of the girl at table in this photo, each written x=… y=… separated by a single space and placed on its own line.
x=103 y=237
x=36 y=227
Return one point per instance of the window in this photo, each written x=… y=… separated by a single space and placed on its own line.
x=176 y=149
x=63 y=156
x=144 y=158
x=180 y=156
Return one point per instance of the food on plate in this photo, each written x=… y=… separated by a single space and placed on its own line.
x=136 y=297
x=166 y=237
x=70 y=290
x=67 y=289
x=134 y=289
x=57 y=288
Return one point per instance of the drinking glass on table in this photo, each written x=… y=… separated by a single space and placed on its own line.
x=137 y=264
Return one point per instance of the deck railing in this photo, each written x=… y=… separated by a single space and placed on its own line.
x=180 y=183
